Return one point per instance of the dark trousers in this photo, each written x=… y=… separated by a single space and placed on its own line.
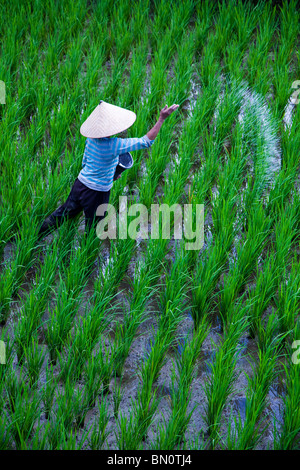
x=80 y=199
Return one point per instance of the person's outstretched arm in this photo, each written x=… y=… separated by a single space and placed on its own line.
x=119 y=145
x=165 y=112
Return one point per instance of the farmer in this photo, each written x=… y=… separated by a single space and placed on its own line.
x=95 y=180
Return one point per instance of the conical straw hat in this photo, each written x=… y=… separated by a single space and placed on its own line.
x=106 y=120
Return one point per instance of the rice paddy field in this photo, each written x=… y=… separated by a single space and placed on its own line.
x=142 y=344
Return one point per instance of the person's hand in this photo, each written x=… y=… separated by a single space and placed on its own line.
x=165 y=112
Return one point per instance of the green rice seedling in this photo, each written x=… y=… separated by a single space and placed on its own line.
x=142 y=289
x=247 y=253
x=111 y=89
x=134 y=84
x=71 y=366
x=55 y=433
x=194 y=443
x=283 y=55
x=24 y=407
x=281 y=79
x=220 y=384
x=97 y=319
x=245 y=18
x=35 y=303
x=223 y=27
x=288 y=298
x=139 y=294
x=204 y=281
x=5 y=226
x=285 y=234
x=142 y=286
x=5 y=440
x=170 y=434
x=209 y=67
x=99 y=432
x=224 y=211
x=183 y=68
x=123 y=34
x=209 y=269
x=163 y=340
x=87 y=331
x=24 y=330
x=233 y=58
x=12 y=388
x=203 y=23
x=228 y=108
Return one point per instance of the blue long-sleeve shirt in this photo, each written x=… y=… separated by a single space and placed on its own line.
x=101 y=158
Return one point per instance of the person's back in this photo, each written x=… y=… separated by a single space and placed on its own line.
x=101 y=158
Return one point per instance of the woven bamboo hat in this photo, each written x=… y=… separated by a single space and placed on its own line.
x=106 y=120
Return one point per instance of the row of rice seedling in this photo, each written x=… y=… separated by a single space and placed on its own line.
x=54 y=152
x=287 y=438
x=257 y=65
x=266 y=344
x=207 y=271
x=172 y=433
x=245 y=20
x=161 y=62
x=220 y=383
x=26 y=238
x=247 y=432
x=35 y=302
x=144 y=407
x=274 y=275
x=283 y=56
x=73 y=278
x=158 y=162
x=143 y=419
x=63 y=79
x=270 y=369
x=141 y=289
x=117 y=272
x=16 y=267
x=148 y=195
